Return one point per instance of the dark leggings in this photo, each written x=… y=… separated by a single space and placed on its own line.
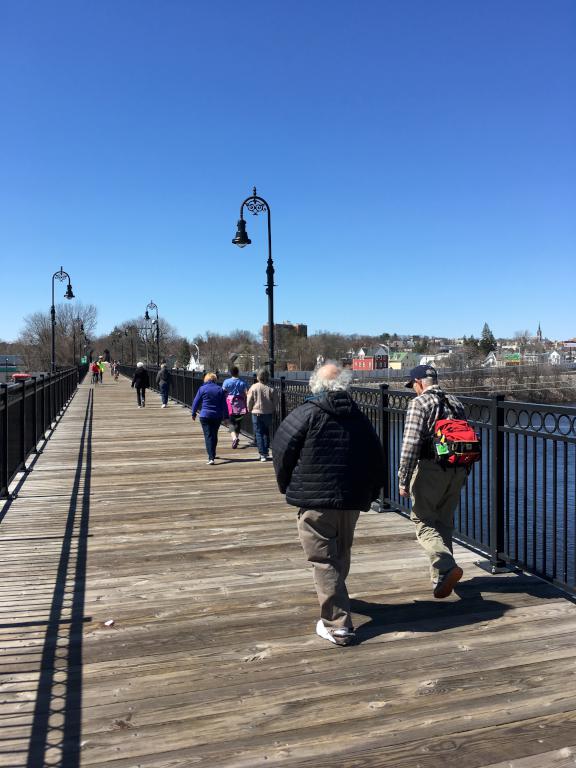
x=235 y=424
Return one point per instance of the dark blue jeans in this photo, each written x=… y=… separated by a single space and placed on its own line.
x=210 y=428
x=262 y=423
x=164 y=387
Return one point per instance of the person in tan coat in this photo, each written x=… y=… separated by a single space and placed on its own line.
x=262 y=401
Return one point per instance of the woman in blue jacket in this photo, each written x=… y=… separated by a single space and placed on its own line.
x=210 y=400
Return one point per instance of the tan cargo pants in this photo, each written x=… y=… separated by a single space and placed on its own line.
x=326 y=536
x=435 y=493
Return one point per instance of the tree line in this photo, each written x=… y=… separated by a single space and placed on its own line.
x=136 y=339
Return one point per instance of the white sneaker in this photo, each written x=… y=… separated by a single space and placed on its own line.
x=210 y=461
x=163 y=405
x=139 y=406
x=343 y=636
x=263 y=458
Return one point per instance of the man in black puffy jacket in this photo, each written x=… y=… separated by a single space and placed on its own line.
x=330 y=464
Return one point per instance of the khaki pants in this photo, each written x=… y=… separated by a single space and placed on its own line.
x=326 y=536
x=435 y=493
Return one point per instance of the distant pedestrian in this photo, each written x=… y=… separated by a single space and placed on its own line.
x=433 y=488
x=210 y=400
x=95 y=369
x=330 y=464
x=141 y=382
x=163 y=380
x=101 y=368
x=235 y=389
x=261 y=402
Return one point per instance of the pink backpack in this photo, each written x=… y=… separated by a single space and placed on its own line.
x=236 y=405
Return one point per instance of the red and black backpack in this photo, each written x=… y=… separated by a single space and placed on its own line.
x=454 y=442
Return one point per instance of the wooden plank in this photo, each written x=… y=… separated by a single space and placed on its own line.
x=212 y=658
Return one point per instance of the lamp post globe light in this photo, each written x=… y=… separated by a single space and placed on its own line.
x=256 y=205
x=60 y=276
x=151 y=305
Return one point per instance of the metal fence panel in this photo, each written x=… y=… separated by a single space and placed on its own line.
x=27 y=410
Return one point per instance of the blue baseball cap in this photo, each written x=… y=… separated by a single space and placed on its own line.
x=421 y=372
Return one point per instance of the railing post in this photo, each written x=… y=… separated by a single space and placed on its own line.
x=497 y=522
x=43 y=405
x=51 y=399
x=35 y=414
x=23 y=452
x=4 y=464
x=384 y=423
x=282 y=398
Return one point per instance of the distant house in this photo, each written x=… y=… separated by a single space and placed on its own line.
x=439 y=360
x=531 y=357
x=404 y=361
x=569 y=347
x=371 y=359
x=502 y=359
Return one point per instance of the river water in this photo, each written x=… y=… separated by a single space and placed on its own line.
x=539 y=496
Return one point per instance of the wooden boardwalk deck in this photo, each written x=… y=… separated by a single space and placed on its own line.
x=212 y=659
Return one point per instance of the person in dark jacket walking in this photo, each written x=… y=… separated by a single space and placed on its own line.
x=211 y=401
x=330 y=464
x=163 y=383
x=141 y=382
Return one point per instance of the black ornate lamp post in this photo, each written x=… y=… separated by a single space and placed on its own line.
x=119 y=337
x=256 y=205
x=151 y=305
x=61 y=276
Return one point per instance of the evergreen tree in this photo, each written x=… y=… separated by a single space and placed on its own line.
x=183 y=354
x=487 y=342
x=421 y=344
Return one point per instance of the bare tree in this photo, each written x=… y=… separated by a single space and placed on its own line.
x=35 y=337
x=522 y=338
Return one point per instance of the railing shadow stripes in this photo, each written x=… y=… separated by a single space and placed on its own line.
x=56 y=720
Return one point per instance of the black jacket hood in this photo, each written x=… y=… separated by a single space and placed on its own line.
x=335 y=403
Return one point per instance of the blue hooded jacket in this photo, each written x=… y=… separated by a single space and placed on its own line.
x=211 y=400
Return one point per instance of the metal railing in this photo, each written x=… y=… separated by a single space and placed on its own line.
x=518 y=506
x=28 y=410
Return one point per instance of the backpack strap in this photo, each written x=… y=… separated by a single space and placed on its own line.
x=444 y=406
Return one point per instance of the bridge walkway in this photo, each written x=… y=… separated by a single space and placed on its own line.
x=158 y=612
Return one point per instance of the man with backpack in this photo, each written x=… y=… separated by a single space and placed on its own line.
x=433 y=469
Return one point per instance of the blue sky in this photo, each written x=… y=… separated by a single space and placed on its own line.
x=419 y=159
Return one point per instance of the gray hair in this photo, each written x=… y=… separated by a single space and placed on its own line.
x=263 y=375
x=429 y=381
x=139 y=365
x=330 y=377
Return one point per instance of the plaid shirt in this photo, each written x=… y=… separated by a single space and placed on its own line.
x=422 y=414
